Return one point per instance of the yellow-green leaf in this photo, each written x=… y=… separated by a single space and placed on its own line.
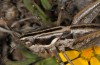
x=46 y=4
x=28 y=5
x=48 y=61
x=45 y=20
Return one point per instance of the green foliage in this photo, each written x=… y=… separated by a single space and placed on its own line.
x=24 y=62
x=46 y=4
x=28 y=5
x=45 y=19
x=48 y=61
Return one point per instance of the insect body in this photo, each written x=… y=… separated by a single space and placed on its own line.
x=78 y=36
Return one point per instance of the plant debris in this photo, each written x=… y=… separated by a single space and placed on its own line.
x=33 y=30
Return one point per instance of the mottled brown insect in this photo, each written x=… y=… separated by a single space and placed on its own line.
x=81 y=34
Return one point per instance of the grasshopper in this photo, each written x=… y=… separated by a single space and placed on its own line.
x=90 y=33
